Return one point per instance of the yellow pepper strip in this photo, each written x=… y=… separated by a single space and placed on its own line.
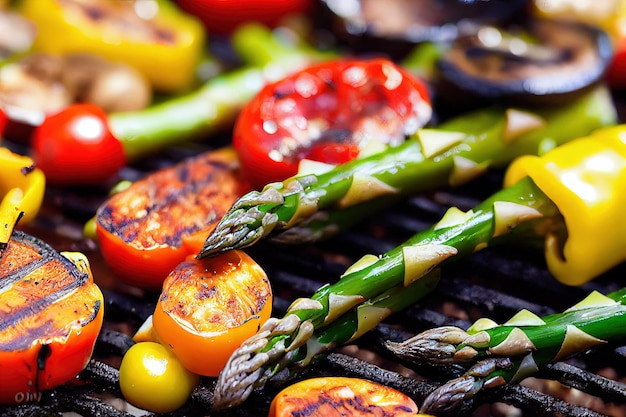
x=153 y=36
x=22 y=188
x=585 y=179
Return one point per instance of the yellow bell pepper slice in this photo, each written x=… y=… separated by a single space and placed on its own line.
x=154 y=36
x=22 y=188
x=586 y=180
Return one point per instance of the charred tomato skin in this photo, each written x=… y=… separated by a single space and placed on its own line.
x=146 y=230
x=328 y=112
x=208 y=307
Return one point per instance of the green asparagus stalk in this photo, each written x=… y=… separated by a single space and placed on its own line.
x=349 y=326
x=519 y=209
x=512 y=351
x=312 y=207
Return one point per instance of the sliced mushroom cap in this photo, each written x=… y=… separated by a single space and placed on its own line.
x=17 y=34
x=546 y=61
x=396 y=25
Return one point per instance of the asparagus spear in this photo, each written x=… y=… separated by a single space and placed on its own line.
x=521 y=208
x=510 y=352
x=311 y=207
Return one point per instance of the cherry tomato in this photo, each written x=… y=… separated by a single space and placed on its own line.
x=223 y=16
x=152 y=378
x=329 y=113
x=3 y=121
x=153 y=225
x=76 y=147
x=341 y=396
x=208 y=307
x=616 y=73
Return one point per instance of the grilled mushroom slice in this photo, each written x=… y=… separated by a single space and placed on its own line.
x=543 y=62
x=395 y=26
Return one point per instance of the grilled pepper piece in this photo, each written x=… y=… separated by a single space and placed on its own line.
x=520 y=212
x=156 y=38
x=22 y=188
x=51 y=312
x=311 y=207
x=509 y=352
x=150 y=227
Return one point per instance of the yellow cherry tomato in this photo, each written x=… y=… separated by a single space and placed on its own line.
x=153 y=379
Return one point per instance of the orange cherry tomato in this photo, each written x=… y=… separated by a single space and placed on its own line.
x=208 y=307
x=150 y=227
x=51 y=312
x=328 y=112
x=335 y=396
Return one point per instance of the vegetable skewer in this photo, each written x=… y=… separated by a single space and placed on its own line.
x=311 y=207
x=520 y=210
x=510 y=352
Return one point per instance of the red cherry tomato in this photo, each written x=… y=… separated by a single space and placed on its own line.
x=76 y=147
x=3 y=121
x=223 y=16
x=329 y=113
x=616 y=73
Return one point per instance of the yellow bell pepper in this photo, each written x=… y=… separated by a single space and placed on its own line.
x=22 y=188
x=154 y=36
x=586 y=179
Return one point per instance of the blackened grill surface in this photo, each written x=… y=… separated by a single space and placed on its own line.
x=495 y=283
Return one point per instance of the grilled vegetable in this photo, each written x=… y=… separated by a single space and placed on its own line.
x=512 y=351
x=224 y=17
x=152 y=378
x=341 y=396
x=150 y=227
x=311 y=207
x=546 y=61
x=160 y=41
x=22 y=188
x=51 y=312
x=330 y=112
x=207 y=110
x=522 y=212
x=207 y=308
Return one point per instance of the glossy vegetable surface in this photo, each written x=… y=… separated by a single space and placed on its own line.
x=150 y=227
x=51 y=312
x=340 y=396
x=207 y=308
x=152 y=378
x=152 y=36
x=224 y=17
x=22 y=188
x=75 y=146
x=330 y=112
x=585 y=180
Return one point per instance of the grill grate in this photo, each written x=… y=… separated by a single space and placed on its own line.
x=496 y=283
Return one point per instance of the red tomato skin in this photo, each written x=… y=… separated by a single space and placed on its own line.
x=76 y=147
x=616 y=73
x=328 y=113
x=223 y=16
x=3 y=121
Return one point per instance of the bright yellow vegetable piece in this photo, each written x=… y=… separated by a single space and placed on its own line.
x=22 y=187
x=586 y=179
x=153 y=36
x=152 y=378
